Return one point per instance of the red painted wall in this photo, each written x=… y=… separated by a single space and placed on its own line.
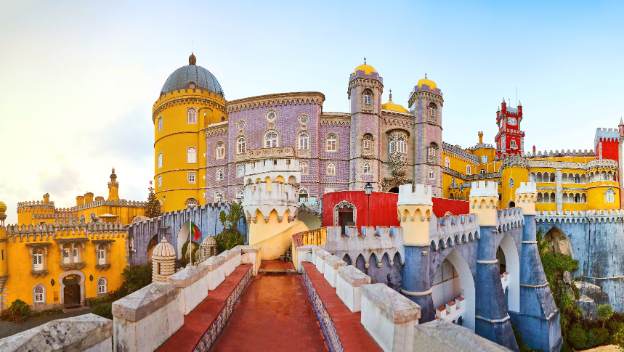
x=609 y=149
x=382 y=207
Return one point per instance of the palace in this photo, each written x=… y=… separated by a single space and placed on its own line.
x=203 y=142
x=62 y=256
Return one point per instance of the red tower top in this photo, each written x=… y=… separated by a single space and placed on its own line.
x=510 y=138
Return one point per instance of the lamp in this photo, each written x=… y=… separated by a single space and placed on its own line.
x=368 y=188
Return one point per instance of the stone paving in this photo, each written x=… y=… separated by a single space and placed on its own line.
x=273 y=315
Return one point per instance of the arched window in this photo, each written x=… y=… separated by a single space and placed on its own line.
x=447 y=163
x=331 y=169
x=191 y=116
x=240 y=145
x=191 y=155
x=191 y=202
x=101 y=254
x=271 y=139
x=160 y=123
x=303 y=195
x=101 y=286
x=220 y=150
x=220 y=175
x=39 y=294
x=160 y=160
x=367 y=97
x=304 y=141
x=432 y=112
x=539 y=198
x=610 y=196
x=401 y=145
x=431 y=174
x=367 y=143
x=468 y=170
x=513 y=144
x=37 y=258
x=191 y=177
x=366 y=168
x=218 y=197
x=304 y=167
x=331 y=144
x=432 y=153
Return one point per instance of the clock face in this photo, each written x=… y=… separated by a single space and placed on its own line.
x=512 y=121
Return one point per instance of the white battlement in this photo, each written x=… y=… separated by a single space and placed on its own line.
x=484 y=189
x=613 y=215
x=526 y=188
x=265 y=198
x=259 y=170
x=420 y=195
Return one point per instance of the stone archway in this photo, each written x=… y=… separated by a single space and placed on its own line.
x=345 y=214
x=558 y=242
x=150 y=247
x=455 y=280
x=72 y=288
x=182 y=238
x=509 y=262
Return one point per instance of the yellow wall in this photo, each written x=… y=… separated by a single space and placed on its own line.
x=21 y=281
x=507 y=189
x=176 y=136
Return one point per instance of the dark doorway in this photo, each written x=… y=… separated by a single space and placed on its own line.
x=394 y=190
x=71 y=291
x=150 y=247
x=512 y=204
x=345 y=218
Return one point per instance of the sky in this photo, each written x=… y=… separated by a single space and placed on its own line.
x=78 y=78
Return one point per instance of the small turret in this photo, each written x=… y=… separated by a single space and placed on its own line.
x=163 y=261
x=415 y=208
x=113 y=187
x=480 y=134
x=46 y=198
x=4 y=270
x=526 y=196
x=483 y=202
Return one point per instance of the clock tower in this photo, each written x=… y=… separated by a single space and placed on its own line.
x=510 y=138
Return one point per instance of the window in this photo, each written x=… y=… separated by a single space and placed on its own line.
x=220 y=150
x=218 y=197
x=240 y=170
x=37 y=259
x=511 y=182
x=367 y=143
x=366 y=168
x=512 y=121
x=240 y=145
x=610 y=196
x=304 y=141
x=482 y=171
x=160 y=123
x=330 y=169
x=101 y=286
x=101 y=255
x=431 y=174
x=367 y=97
x=331 y=144
x=432 y=112
x=191 y=155
x=303 y=195
x=447 y=163
x=484 y=159
x=271 y=139
x=303 y=119
x=66 y=257
x=468 y=170
x=271 y=116
x=159 y=181
x=191 y=177
x=513 y=144
x=239 y=195
x=191 y=202
x=160 y=160
x=39 y=294
x=191 y=116
x=304 y=167
x=432 y=153
x=220 y=175
x=76 y=255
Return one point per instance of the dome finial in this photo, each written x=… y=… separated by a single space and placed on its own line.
x=192 y=59
x=390 y=98
x=364 y=60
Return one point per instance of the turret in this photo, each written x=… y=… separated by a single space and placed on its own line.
x=483 y=202
x=526 y=196
x=46 y=198
x=163 y=261
x=4 y=255
x=88 y=198
x=415 y=208
x=113 y=187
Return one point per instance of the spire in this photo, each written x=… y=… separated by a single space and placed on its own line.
x=621 y=121
x=113 y=175
x=426 y=75
x=364 y=60
x=390 y=95
x=192 y=59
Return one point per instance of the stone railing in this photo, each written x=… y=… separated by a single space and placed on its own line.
x=378 y=240
x=316 y=237
x=146 y=318
x=88 y=332
x=613 y=215
x=509 y=218
x=453 y=230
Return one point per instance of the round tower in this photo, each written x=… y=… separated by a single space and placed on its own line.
x=365 y=90
x=483 y=202
x=163 y=261
x=514 y=171
x=426 y=103
x=190 y=100
x=4 y=269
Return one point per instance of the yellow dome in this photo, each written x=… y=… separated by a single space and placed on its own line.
x=390 y=105
x=427 y=82
x=3 y=207
x=368 y=69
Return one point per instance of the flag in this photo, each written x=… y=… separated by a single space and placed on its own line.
x=195 y=231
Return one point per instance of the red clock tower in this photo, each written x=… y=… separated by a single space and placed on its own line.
x=510 y=138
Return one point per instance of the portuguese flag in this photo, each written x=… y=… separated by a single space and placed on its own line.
x=195 y=231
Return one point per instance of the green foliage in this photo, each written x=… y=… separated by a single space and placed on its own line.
x=577 y=337
x=597 y=337
x=228 y=239
x=230 y=219
x=103 y=309
x=185 y=253
x=555 y=264
x=618 y=338
x=17 y=312
x=152 y=208
x=605 y=312
x=135 y=277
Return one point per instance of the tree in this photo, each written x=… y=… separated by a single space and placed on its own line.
x=230 y=237
x=605 y=312
x=152 y=208
x=618 y=338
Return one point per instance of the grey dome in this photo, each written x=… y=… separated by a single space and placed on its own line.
x=185 y=75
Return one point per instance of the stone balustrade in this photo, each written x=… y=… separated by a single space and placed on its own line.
x=330 y=268
x=348 y=286
x=146 y=318
x=303 y=254
x=319 y=258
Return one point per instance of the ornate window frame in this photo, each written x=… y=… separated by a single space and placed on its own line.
x=342 y=205
x=191 y=116
x=272 y=142
x=271 y=115
x=330 y=169
x=303 y=141
x=220 y=150
x=241 y=145
x=39 y=298
x=102 y=286
x=331 y=142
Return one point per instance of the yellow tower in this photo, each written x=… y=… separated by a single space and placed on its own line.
x=514 y=172
x=4 y=268
x=113 y=187
x=190 y=100
x=415 y=208
x=483 y=202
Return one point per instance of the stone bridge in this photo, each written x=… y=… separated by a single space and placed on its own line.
x=596 y=240
x=174 y=226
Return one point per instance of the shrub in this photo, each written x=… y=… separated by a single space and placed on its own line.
x=618 y=338
x=135 y=277
x=228 y=239
x=577 y=337
x=103 y=309
x=18 y=311
x=604 y=312
x=597 y=336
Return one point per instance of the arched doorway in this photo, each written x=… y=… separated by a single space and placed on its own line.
x=72 y=292
x=344 y=215
x=453 y=282
x=394 y=189
x=509 y=266
x=558 y=242
x=360 y=263
x=182 y=238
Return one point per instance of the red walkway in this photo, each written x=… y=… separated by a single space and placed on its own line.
x=273 y=315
